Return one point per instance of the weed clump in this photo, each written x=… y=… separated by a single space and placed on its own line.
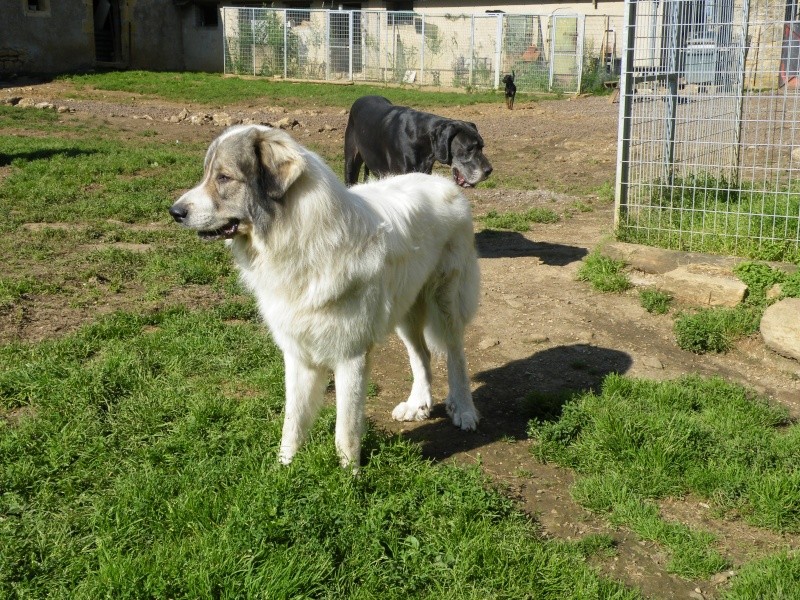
x=603 y=273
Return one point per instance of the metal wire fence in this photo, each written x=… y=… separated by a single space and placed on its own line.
x=545 y=52
x=709 y=151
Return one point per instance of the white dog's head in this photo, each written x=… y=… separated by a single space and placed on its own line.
x=248 y=170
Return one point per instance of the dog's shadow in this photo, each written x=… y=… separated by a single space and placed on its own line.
x=513 y=394
x=498 y=244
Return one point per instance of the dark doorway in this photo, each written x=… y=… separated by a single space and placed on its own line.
x=107 y=35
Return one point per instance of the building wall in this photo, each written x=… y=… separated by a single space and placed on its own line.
x=54 y=41
x=202 y=45
x=155 y=35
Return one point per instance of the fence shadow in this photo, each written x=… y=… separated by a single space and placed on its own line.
x=556 y=372
x=510 y=244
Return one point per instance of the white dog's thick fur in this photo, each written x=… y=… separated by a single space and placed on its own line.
x=335 y=269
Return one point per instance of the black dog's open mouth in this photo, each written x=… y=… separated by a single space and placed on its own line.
x=459 y=178
x=226 y=232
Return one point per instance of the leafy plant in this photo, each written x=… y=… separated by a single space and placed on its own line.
x=759 y=278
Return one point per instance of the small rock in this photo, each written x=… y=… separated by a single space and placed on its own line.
x=11 y=101
x=487 y=343
x=44 y=105
x=696 y=595
x=651 y=362
x=63 y=109
x=722 y=578
x=26 y=103
x=774 y=292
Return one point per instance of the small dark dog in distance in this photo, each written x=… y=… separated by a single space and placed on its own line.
x=511 y=90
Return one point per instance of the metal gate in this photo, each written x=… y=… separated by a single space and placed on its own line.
x=566 y=56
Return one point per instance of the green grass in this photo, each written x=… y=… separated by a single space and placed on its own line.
x=213 y=88
x=716 y=329
x=144 y=465
x=704 y=213
x=639 y=441
x=775 y=577
x=73 y=180
x=655 y=301
x=518 y=221
x=603 y=273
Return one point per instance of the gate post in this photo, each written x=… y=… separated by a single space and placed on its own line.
x=498 y=49
x=625 y=110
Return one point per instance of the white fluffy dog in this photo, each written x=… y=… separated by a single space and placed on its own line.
x=335 y=269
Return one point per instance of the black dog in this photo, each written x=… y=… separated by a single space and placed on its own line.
x=511 y=90
x=391 y=140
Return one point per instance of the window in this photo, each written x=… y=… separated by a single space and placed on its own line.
x=207 y=15
x=38 y=8
x=402 y=13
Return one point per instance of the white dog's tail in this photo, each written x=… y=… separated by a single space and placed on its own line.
x=452 y=297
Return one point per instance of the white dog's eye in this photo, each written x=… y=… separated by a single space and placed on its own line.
x=221 y=178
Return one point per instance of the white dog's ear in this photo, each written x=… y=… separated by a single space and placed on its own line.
x=280 y=159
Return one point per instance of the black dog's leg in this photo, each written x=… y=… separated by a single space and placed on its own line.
x=352 y=165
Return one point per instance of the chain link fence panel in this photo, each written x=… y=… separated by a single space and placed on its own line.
x=462 y=51
x=709 y=151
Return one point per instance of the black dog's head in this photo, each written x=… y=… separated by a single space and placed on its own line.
x=458 y=144
x=507 y=79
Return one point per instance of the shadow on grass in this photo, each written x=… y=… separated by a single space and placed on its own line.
x=497 y=244
x=514 y=393
x=7 y=159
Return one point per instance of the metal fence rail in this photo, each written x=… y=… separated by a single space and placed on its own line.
x=709 y=151
x=545 y=52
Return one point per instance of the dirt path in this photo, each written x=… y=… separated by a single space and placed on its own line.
x=537 y=328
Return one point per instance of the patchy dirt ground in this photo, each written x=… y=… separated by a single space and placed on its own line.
x=537 y=328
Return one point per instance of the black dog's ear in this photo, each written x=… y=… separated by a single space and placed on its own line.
x=474 y=132
x=279 y=159
x=441 y=136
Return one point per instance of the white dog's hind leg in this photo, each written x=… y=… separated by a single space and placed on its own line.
x=305 y=387
x=459 y=398
x=419 y=403
x=351 y=394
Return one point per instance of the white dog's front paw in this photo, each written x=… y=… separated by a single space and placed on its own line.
x=285 y=456
x=467 y=419
x=407 y=411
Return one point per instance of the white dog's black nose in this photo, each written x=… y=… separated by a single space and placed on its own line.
x=178 y=212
